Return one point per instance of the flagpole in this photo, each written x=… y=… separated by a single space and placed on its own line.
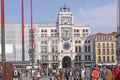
x=23 y=53
x=3 y=59
x=32 y=36
x=2 y=31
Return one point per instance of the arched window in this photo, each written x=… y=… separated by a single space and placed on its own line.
x=85 y=41
x=107 y=45
x=108 y=60
x=86 y=30
x=108 y=51
x=99 y=59
x=112 y=58
x=75 y=48
x=99 y=51
x=103 y=58
x=112 y=45
x=99 y=45
x=89 y=41
x=104 y=51
x=104 y=45
x=88 y=48
x=85 y=48
x=83 y=30
x=112 y=51
x=79 y=48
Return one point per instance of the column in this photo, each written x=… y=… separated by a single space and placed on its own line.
x=72 y=64
x=49 y=65
x=60 y=64
x=83 y=64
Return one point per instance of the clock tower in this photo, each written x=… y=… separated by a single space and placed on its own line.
x=65 y=16
x=65 y=28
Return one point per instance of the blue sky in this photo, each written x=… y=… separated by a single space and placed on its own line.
x=101 y=15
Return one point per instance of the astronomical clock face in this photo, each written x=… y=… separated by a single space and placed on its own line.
x=66 y=46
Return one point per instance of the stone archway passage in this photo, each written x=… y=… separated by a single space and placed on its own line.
x=66 y=62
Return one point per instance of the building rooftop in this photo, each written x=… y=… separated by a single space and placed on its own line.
x=100 y=33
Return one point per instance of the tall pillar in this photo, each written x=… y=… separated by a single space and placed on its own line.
x=72 y=64
x=49 y=65
x=83 y=64
x=60 y=64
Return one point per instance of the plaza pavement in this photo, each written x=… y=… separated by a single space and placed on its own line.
x=29 y=78
x=43 y=78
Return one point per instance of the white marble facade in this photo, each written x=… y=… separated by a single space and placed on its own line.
x=63 y=44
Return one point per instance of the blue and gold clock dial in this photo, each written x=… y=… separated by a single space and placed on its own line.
x=66 y=46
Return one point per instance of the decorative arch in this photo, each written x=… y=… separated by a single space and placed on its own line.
x=66 y=62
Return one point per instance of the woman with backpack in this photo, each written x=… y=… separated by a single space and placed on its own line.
x=108 y=75
x=95 y=74
x=115 y=72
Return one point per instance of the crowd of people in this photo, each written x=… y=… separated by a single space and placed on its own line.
x=77 y=73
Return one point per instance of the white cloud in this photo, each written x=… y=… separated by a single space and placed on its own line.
x=101 y=19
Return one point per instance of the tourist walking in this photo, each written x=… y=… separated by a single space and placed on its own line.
x=67 y=74
x=76 y=75
x=95 y=74
x=15 y=74
x=87 y=74
x=83 y=74
x=1 y=74
x=108 y=75
x=115 y=72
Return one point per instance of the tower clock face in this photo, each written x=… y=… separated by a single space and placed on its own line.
x=66 y=46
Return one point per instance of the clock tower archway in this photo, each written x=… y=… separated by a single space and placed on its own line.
x=66 y=62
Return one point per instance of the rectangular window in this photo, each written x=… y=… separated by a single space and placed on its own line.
x=104 y=51
x=44 y=49
x=56 y=58
x=88 y=48
x=107 y=45
x=54 y=49
x=76 y=58
x=98 y=45
x=112 y=51
x=99 y=59
x=44 y=58
x=99 y=52
x=103 y=45
x=112 y=45
x=108 y=51
x=89 y=57
x=85 y=48
x=53 y=58
x=112 y=58
x=79 y=48
x=103 y=58
x=86 y=57
x=75 y=48
x=79 y=58
x=108 y=60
